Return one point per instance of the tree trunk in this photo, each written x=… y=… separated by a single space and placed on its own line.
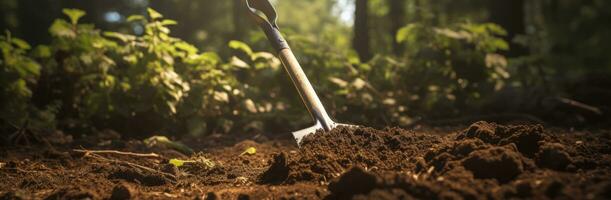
x=361 y=31
x=396 y=16
x=510 y=15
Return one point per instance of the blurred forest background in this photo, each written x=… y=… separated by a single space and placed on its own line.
x=196 y=67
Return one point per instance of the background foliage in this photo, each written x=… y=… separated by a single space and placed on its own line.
x=199 y=67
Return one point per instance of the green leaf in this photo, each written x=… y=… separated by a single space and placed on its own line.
x=501 y=44
x=234 y=44
x=211 y=57
x=249 y=151
x=236 y=62
x=154 y=14
x=496 y=29
x=120 y=36
x=177 y=162
x=133 y=18
x=31 y=68
x=20 y=43
x=207 y=163
x=42 y=51
x=190 y=49
x=407 y=33
x=61 y=28
x=167 y=22
x=74 y=14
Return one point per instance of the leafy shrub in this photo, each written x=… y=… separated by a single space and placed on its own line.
x=17 y=75
x=155 y=82
x=79 y=75
x=137 y=83
x=444 y=69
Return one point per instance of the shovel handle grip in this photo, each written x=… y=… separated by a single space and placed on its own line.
x=305 y=89
x=275 y=38
x=267 y=24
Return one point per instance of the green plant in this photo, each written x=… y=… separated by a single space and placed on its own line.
x=18 y=74
x=80 y=74
x=448 y=68
x=126 y=81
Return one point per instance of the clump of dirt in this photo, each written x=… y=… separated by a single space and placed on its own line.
x=326 y=155
x=502 y=164
x=123 y=191
x=278 y=171
x=554 y=156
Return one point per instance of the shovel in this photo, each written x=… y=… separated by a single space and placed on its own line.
x=267 y=23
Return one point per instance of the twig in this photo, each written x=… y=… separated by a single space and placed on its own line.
x=99 y=157
x=22 y=170
x=149 y=155
x=578 y=104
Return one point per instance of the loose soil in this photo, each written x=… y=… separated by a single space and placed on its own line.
x=482 y=161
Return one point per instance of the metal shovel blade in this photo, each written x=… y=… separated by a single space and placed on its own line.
x=300 y=134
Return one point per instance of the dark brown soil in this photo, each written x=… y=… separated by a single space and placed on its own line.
x=482 y=161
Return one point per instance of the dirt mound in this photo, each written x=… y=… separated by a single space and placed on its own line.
x=485 y=160
x=525 y=137
x=326 y=155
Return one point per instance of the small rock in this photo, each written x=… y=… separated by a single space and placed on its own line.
x=123 y=191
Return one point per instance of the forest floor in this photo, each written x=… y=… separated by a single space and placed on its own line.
x=481 y=161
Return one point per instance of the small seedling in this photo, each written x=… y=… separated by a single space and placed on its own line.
x=249 y=151
x=207 y=163
x=178 y=162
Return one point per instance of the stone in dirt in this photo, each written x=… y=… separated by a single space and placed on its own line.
x=123 y=191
